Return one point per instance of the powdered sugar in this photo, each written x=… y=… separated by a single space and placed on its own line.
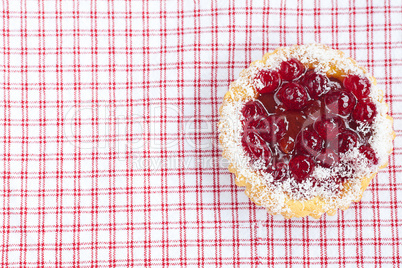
x=274 y=195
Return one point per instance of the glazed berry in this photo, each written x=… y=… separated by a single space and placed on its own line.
x=328 y=158
x=328 y=128
x=315 y=83
x=291 y=69
x=365 y=111
x=345 y=141
x=293 y=96
x=256 y=147
x=280 y=172
x=260 y=125
x=340 y=102
x=369 y=153
x=359 y=86
x=253 y=108
x=269 y=81
x=308 y=141
x=301 y=167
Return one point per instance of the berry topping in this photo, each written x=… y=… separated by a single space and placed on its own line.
x=260 y=125
x=340 y=102
x=253 y=108
x=365 y=111
x=328 y=158
x=328 y=128
x=269 y=79
x=303 y=119
x=291 y=69
x=256 y=147
x=280 y=172
x=301 y=167
x=310 y=142
x=345 y=141
x=293 y=96
x=359 y=86
x=369 y=153
x=316 y=84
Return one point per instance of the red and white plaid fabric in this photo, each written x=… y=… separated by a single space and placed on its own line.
x=109 y=151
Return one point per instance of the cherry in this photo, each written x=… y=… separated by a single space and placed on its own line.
x=340 y=102
x=256 y=147
x=260 y=125
x=315 y=83
x=310 y=142
x=301 y=167
x=291 y=69
x=369 y=153
x=280 y=172
x=293 y=96
x=328 y=128
x=253 y=108
x=346 y=140
x=328 y=158
x=269 y=79
x=365 y=111
x=359 y=86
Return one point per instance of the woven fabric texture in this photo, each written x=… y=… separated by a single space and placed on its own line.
x=109 y=151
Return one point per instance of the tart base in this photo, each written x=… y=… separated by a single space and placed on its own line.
x=258 y=192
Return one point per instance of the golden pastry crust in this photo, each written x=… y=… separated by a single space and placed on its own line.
x=256 y=190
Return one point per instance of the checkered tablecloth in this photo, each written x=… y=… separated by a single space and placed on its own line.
x=108 y=139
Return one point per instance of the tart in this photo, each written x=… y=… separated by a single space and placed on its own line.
x=305 y=130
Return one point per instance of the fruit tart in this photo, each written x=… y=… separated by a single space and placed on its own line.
x=305 y=130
